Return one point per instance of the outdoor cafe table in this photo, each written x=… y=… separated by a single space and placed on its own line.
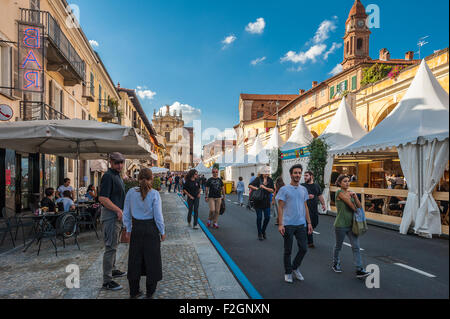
x=42 y=225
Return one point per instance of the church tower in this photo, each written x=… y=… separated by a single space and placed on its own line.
x=357 y=35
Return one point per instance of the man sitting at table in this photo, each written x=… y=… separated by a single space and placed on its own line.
x=48 y=201
x=65 y=187
x=67 y=201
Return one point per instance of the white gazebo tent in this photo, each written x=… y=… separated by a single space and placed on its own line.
x=272 y=147
x=301 y=137
x=343 y=129
x=203 y=170
x=419 y=128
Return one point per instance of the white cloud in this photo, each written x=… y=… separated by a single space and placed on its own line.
x=332 y=49
x=256 y=27
x=228 y=41
x=257 y=61
x=93 y=43
x=323 y=32
x=302 y=57
x=337 y=69
x=144 y=93
x=190 y=113
x=295 y=69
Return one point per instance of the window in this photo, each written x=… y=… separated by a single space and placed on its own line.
x=99 y=97
x=322 y=93
x=331 y=92
x=35 y=4
x=167 y=136
x=92 y=88
x=259 y=114
x=83 y=115
x=354 y=84
x=70 y=166
x=342 y=87
x=359 y=44
x=5 y=69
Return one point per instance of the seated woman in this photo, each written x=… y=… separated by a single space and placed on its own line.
x=91 y=193
x=67 y=201
x=48 y=201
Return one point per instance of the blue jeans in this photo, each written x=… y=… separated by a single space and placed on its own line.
x=240 y=195
x=341 y=232
x=259 y=213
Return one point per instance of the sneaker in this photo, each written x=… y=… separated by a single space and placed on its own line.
x=260 y=237
x=288 y=278
x=337 y=268
x=298 y=275
x=195 y=227
x=216 y=226
x=264 y=235
x=112 y=285
x=189 y=223
x=138 y=296
x=362 y=274
x=311 y=246
x=118 y=273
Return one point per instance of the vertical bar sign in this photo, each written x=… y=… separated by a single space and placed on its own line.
x=31 y=58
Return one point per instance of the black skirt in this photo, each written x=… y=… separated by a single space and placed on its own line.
x=144 y=258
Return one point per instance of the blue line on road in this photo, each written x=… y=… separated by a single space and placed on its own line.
x=248 y=287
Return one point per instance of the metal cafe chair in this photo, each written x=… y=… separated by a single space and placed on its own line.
x=5 y=228
x=85 y=217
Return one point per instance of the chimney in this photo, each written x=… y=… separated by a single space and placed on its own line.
x=314 y=84
x=300 y=92
x=384 y=55
x=409 y=55
x=118 y=84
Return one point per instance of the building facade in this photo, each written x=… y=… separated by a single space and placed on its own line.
x=179 y=147
x=48 y=71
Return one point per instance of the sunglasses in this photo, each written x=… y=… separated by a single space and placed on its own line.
x=118 y=162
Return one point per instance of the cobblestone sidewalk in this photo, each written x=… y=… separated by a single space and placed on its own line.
x=183 y=275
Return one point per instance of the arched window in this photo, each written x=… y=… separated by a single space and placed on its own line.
x=348 y=46
x=359 y=44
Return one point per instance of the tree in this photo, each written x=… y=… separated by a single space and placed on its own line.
x=318 y=160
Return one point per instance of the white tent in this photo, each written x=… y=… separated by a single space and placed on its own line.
x=301 y=137
x=272 y=147
x=343 y=129
x=203 y=170
x=419 y=128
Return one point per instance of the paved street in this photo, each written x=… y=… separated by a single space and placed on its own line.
x=262 y=263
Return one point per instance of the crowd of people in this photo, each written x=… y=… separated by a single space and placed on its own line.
x=139 y=212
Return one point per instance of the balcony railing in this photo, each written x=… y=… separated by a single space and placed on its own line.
x=106 y=111
x=88 y=91
x=59 y=41
x=35 y=111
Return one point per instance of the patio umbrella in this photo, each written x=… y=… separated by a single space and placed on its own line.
x=77 y=139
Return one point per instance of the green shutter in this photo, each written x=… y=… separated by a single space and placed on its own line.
x=346 y=85
x=354 y=83
x=331 y=92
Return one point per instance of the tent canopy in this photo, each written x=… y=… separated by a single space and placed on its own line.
x=91 y=139
x=202 y=169
x=301 y=137
x=422 y=115
x=343 y=129
x=275 y=141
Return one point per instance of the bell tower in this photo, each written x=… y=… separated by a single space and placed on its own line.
x=357 y=35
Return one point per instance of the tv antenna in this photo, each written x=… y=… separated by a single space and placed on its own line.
x=421 y=43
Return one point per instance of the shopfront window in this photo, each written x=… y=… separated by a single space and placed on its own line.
x=51 y=171
x=10 y=179
x=25 y=182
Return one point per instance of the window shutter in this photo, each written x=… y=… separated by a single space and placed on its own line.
x=50 y=93
x=15 y=71
x=354 y=83
x=346 y=85
x=331 y=92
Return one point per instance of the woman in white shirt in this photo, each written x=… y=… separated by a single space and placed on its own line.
x=144 y=223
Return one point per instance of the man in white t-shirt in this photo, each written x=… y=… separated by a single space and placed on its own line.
x=294 y=221
x=65 y=187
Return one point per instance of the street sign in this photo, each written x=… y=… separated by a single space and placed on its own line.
x=6 y=112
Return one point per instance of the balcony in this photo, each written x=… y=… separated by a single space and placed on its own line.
x=106 y=111
x=61 y=55
x=88 y=91
x=35 y=111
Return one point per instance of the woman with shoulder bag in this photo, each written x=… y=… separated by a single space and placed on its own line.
x=346 y=203
x=263 y=184
x=144 y=223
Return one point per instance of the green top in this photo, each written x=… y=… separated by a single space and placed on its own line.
x=344 y=213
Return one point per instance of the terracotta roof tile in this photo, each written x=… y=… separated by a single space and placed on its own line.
x=280 y=97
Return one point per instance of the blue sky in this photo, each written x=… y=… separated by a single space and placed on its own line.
x=174 y=51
